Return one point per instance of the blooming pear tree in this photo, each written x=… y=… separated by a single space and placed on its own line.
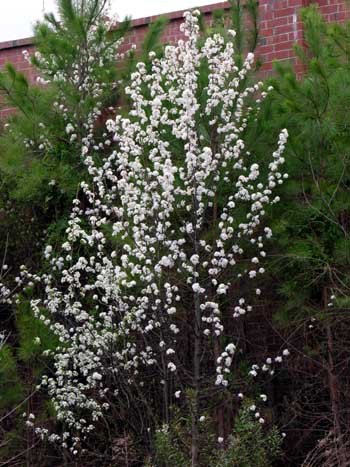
x=170 y=220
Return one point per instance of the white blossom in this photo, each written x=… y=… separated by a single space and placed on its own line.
x=118 y=309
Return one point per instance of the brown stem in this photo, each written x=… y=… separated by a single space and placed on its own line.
x=196 y=369
x=220 y=409
x=333 y=380
x=196 y=356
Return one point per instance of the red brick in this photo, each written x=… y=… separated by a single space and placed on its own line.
x=295 y=3
x=281 y=30
x=284 y=12
x=265 y=49
x=283 y=46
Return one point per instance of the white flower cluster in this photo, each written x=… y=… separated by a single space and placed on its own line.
x=6 y=294
x=267 y=366
x=138 y=253
x=6 y=297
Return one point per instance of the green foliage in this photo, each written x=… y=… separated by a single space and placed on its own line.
x=33 y=336
x=249 y=445
x=172 y=442
x=151 y=41
x=246 y=38
x=167 y=449
x=11 y=388
x=310 y=259
x=314 y=208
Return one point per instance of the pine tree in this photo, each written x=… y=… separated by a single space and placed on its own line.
x=310 y=263
x=76 y=58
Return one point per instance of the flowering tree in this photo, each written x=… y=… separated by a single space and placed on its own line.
x=170 y=220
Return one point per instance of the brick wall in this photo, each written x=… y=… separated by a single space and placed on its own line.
x=279 y=25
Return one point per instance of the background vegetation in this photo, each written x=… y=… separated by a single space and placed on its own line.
x=307 y=307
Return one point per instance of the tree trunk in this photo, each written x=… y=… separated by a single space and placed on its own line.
x=196 y=369
x=333 y=384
